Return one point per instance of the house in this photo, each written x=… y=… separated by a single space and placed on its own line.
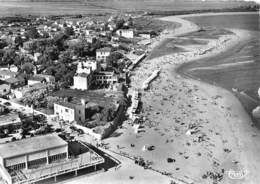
x=35 y=80
x=82 y=81
x=48 y=78
x=111 y=26
x=87 y=67
x=11 y=68
x=127 y=33
x=71 y=112
x=90 y=39
x=21 y=91
x=28 y=45
x=15 y=82
x=103 y=53
x=105 y=77
x=6 y=74
x=89 y=32
x=145 y=35
x=36 y=56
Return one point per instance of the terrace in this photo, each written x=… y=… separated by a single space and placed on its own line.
x=81 y=156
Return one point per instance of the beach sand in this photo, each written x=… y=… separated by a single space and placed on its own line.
x=223 y=140
x=201 y=127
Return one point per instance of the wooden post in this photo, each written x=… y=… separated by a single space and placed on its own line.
x=76 y=172
x=55 y=179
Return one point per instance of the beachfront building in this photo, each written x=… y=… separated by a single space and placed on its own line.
x=105 y=77
x=70 y=112
x=38 y=158
x=84 y=77
x=127 y=33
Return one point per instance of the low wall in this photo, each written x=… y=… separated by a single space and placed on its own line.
x=107 y=131
x=117 y=121
x=88 y=131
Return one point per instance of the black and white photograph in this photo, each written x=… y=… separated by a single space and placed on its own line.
x=129 y=91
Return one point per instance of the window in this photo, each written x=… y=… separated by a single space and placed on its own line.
x=79 y=111
x=66 y=110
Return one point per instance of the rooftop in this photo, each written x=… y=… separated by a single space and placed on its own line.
x=7 y=72
x=31 y=145
x=66 y=104
x=105 y=49
x=36 y=78
x=9 y=118
x=12 y=80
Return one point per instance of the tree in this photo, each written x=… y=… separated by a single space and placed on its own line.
x=32 y=33
x=8 y=57
x=120 y=23
x=51 y=100
x=69 y=31
x=52 y=52
x=59 y=40
x=18 y=41
x=107 y=114
x=2 y=44
x=113 y=59
x=27 y=68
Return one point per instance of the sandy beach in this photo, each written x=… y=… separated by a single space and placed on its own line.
x=202 y=128
x=222 y=142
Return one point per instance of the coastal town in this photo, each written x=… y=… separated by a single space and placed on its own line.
x=93 y=99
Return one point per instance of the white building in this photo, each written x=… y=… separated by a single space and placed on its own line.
x=87 y=67
x=36 y=80
x=70 y=112
x=127 y=33
x=43 y=157
x=105 y=78
x=30 y=153
x=82 y=81
x=102 y=54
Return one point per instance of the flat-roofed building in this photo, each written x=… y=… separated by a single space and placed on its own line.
x=33 y=152
x=6 y=74
x=70 y=111
x=82 y=81
x=127 y=33
x=105 y=77
x=103 y=53
x=31 y=160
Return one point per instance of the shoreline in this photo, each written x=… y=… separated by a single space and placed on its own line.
x=217 y=13
x=174 y=104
